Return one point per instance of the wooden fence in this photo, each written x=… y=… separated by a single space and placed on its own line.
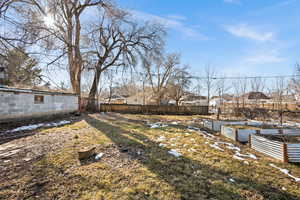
x=154 y=109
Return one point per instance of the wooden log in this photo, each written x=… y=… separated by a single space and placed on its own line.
x=86 y=153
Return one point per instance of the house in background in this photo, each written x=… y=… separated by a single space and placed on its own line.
x=255 y=97
x=216 y=101
x=115 y=99
x=191 y=99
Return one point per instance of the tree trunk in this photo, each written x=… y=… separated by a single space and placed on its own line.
x=92 y=106
x=76 y=81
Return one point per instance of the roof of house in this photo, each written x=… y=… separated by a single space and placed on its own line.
x=193 y=97
x=255 y=95
x=35 y=91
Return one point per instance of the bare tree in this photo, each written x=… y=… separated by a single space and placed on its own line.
x=209 y=81
x=118 y=41
x=110 y=80
x=221 y=89
x=14 y=34
x=280 y=90
x=160 y=72
x=58 y=24
x=198 y=87
x=243 y=83
x=295 y=81
x=237 y=92
x=179 y=85
x=257 y=85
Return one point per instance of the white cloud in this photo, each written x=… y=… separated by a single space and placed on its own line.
x=246 y=31
x=177 y=17
x=174 y=22
x=264 y=57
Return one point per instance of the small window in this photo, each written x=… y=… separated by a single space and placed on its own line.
x=38 y=99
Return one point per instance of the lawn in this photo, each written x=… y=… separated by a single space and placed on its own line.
x=137 y=164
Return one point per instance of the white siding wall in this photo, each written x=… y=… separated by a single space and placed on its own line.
x=19 y=104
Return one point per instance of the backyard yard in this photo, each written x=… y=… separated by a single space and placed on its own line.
x=139 y=157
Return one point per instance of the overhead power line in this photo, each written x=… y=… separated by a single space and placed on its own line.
x=244 y=77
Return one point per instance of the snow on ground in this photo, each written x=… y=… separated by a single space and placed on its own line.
x=161 y=138
x=157 y=125
x=238 y=158
x=215 y=145
x=99 y=156
x=36 y=126
x=248 y=155
x=162 y=145
x=232 y=180
x=174 y=153
x=285 y=171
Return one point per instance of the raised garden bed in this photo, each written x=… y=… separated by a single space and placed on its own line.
x=282 y=147
x=215 y=125
x=241 y=133
x=238 y=133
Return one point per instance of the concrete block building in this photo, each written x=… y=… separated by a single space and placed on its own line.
x=26 y=103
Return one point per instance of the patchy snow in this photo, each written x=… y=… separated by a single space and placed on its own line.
x=192 y=150
x=238 y=158
x=36 y=126
x=26 y=128
x=252 y=156
x=215 y=145
x=248 y=155
x=175 y=123
x=161 y=138
x=233 y=148
x=232 y=180
x=207 y=135
x=157 y=125
x=162 y=145
x=174 y=153
x=99 y=156
x=283 y=188
x=192 y=128
x=285 y=171
x=57 y=123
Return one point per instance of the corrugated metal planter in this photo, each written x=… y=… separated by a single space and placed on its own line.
x=216 y=125
x=282 y=147
x=241 y=133
x=237 y=133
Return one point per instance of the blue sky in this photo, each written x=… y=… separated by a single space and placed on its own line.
x=236 y=37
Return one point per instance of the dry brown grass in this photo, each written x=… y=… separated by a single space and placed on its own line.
x=135 y=166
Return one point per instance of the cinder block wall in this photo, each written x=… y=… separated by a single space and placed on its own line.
x=18 y=104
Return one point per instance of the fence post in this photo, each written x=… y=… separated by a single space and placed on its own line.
x=250 y=135
x=235 y=134
x=285 y=154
